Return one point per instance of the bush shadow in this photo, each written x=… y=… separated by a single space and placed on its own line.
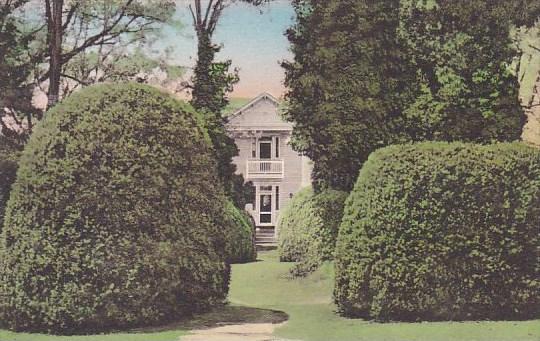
x=221 y=316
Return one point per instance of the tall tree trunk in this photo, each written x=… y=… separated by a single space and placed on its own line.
x=54 y=38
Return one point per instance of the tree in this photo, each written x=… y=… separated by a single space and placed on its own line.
x=465 y=54
x=370 y=73
x=55 y=35
x=348 y=83
x=212 y=81
x=94 y=24
x=121 y=64
x=130 y=236
x=15 y=90
x=59 y=46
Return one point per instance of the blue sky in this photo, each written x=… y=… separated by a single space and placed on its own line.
x=252 y=37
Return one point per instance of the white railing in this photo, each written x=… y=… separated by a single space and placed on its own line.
x=265 y=169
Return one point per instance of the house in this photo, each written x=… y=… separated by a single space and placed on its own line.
x=267 y=159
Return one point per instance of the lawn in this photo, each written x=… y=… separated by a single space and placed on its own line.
x=260 y=290
x=150 y=336
x=311 y=312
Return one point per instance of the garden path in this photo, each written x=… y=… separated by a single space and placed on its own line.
x=238 y=332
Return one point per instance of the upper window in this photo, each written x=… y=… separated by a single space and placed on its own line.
x=265 y=150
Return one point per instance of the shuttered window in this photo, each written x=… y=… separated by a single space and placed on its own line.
x=277 y=198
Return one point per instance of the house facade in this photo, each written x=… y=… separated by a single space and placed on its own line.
x=266 y=158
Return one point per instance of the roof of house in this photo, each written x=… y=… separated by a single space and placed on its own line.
x=263 y=96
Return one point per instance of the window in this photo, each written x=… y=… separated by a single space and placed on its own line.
x=266 y=203
x=265 y=208
x=265 y=149
x=251 y=194
x=277 y=147
x=265 y=188
x=277 y=198
x=265 y=218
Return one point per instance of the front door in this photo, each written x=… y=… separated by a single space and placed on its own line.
x=265 y=209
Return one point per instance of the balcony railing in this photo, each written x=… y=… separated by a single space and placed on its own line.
x=258 y=169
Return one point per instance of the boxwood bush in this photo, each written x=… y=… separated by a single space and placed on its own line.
x=439 y=231
x=240 y=236
x=8 y=170
x=308 y=228
x=115 y=217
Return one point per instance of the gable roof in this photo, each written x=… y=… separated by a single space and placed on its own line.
x=261 y=97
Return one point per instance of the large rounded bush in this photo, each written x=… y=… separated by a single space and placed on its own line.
x=308 y=227
x=8 y=170
x=114 y=219
x=240 y=236
x=438 y=231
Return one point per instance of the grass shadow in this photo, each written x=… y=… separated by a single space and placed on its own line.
x=221 y=316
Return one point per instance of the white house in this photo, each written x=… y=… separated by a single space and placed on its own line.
x=266 y=157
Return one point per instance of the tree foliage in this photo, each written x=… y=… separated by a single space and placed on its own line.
x=348 y=84
x=308 y=229
x=8 y=169
x=439 y=231
x=465 y=54
x=240 y=235
x=74 y=43
x=16 y=108
x=74 y=26
x=116 y=217
x=212 y=82
x=370 y=73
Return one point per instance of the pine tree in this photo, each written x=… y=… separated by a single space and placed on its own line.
x=349 y=82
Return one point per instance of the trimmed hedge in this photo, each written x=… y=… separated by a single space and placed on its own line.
x=438 y=231
x=114 y=219
x=308 y=228
x=240 y=236
x=8 y=171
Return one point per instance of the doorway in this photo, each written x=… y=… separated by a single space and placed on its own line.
x=265 y=209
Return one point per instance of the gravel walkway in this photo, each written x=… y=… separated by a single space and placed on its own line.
x=237 y=332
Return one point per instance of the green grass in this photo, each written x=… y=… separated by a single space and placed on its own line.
x=261 y=289
x=308 y=302
x=160 y=336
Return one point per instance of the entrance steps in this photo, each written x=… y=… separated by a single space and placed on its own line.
x=265 y=239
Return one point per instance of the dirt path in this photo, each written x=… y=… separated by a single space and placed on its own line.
x=237 y=332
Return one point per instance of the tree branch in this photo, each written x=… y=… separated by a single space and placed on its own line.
x=70 y=15
x=208 y=10
x=106 y=30
x=194 y=18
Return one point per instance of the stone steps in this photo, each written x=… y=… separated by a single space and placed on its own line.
x=265 y=239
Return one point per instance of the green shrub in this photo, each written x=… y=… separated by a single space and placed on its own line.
x=8 y=170
x=438 y=231
x=308 y=228
x=240 y=236
x=114 y=219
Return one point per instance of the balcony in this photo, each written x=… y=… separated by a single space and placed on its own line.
x=265 y=169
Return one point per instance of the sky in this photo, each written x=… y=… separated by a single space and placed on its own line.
x=252 y=37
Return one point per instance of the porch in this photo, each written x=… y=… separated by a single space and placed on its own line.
x=265 y=169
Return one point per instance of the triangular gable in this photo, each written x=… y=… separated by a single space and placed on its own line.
x=253 y=102
x=261 y=113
